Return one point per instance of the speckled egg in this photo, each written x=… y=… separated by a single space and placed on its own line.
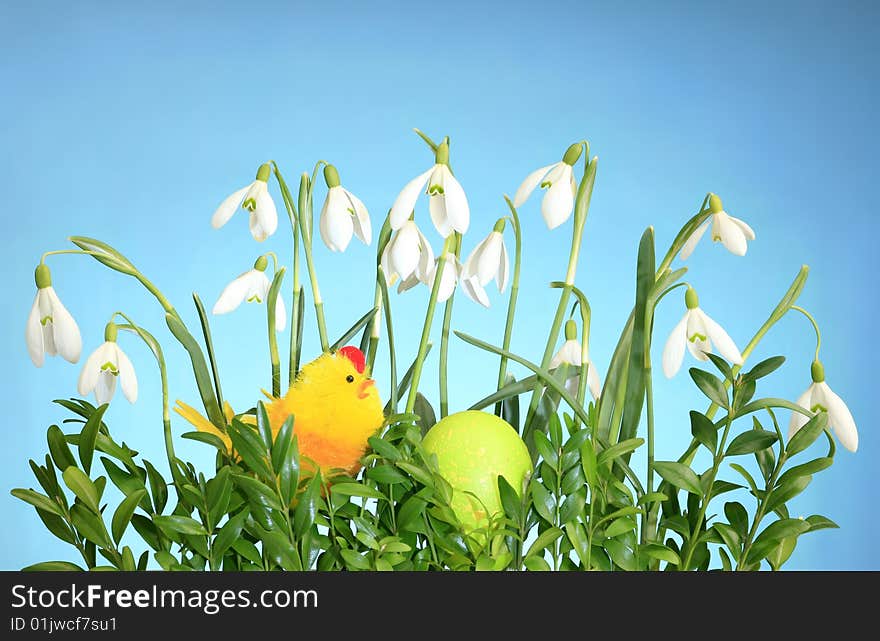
x=473 y=449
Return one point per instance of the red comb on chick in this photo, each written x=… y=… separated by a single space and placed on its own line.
x=356 y=356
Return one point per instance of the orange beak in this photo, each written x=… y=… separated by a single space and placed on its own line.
x=362 y=390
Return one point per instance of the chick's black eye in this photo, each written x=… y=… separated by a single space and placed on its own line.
x=349 y=378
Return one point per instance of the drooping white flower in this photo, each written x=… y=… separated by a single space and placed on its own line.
x=820 y=398
x=487 y=261
x=255 y=199
x=408 y=253
x=342 y=215
x=446 y=198
x=571 y=353
x=558 y=180
x=448 y=278
x=700 y=334
x=50 y=328
x=732 y=232
x=253 y=287
x=104 y=366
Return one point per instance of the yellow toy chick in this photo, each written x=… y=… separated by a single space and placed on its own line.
x=336 y=408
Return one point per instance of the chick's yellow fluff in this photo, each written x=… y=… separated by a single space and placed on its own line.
x=336 y=409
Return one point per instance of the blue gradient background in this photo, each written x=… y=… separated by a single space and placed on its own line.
x=132 y=124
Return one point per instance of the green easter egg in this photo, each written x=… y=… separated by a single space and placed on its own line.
x=473 y=449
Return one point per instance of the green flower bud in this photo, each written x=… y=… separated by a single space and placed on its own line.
x=715 y=204
x=817 y=371
x=499 y=225
x=331 y=176
x=261 y=263
x=691 y=299
x=264 y=172
x=42 y=276
x=110 y=332
x=571 y=330
x=442 y=154
x=572 y=154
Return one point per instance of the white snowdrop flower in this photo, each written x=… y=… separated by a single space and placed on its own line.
x=255 y=199
x=486 y=262
x=50 y=328
x=253 y=287
x=447 y=202
x=732 y=232
x=699 y=333
x=558 y=180
x=820 y=398
x=342 y=215
x=407 y=254
x=571 y=353
x=105 y=365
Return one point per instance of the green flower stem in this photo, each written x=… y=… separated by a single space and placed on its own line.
x=392 y=358
x=581 y=209
x=704 y=504
x=514 y=293
x=426 y=328
x=444 y=338
x=271 y=304
x=305 y=230
x=815 y=327
x=648 y=522
x=154 y=347
x=293 y=361
x=375 y=327
x=59 y=252
x=167 y=306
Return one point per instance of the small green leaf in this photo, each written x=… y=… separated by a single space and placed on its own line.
x=229 y=533
x=781 y=529
x=787 y=491
x=765 y=367
x=510 y=500
x=546 y=538
x=82 y=487
x=122 y=515
x=58 y=448
x=750 y=442
x=745 y=474
x=384 y=449
x=652 y=497
x=738 y=517
x=386 y=474
x=679 y=475
x=619 y=449
x=704 y=430
x=181 y=524
x=536 y=564
x=543 y=502
x=819 y=522
x=354 y=560
x=805 y=469
x=38 y=500
x=356 y=489
x=661 y=552
x=721 y=365
x=545 y=449
x=620 y=554
x=711 y=386
x=88 y=437
x=90 y=525
x=590 y=464
x=205 y=437
x=805 y=436
x=619 y=526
